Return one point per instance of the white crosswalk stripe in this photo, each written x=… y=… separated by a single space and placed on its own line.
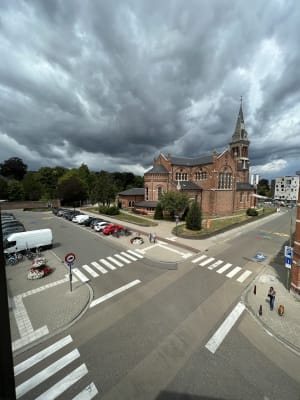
x=80 y=275
x=128 y=256
x=199 y=258
x=107 y=264
x=90 y=271
x=207 y=262
x=138 y=255
x=123 y=259
x=55 y=371
x=115 y=261
x=99 y=267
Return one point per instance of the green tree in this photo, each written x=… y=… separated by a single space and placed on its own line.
x=194 y=217
x=174 y=202
x=104 y=191
x=158 y=212
x=33 y=189
x=13 y=168
x=71 y=190
x=3 y=189
x=15 y=191
x=263 y=188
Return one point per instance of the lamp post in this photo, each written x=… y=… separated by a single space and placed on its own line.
x=7 y=379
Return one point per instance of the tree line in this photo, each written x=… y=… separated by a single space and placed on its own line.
x=71 y=186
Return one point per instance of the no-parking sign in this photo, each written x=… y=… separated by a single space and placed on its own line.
x=70 y=258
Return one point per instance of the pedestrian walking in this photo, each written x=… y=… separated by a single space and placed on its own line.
x=150 y=237
x=271 y=295
x=154 y=237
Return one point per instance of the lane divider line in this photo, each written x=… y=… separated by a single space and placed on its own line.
x=114 y=293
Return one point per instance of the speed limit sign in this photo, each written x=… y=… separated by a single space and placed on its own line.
x=70 y=258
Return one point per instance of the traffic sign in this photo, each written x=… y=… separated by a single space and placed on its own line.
x=288 y=262
x=70 y=258
x=288 y=251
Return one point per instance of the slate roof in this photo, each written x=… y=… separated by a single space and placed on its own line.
x=157 y=169
x=151 y=204
x=133 y=192
x=244 y=186
x=187 y=185
x=207 y=159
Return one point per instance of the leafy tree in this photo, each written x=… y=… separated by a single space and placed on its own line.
x=194 y=217
x=15 y=191
x=158 y=212
x=13 y=168
x=71 y=190
x=263 y=188
x=33 y=189
x=104 y=191
x=3 y=189
x=174 y=202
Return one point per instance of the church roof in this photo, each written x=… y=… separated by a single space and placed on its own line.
x=244 y=186
x=187 y=185
x=200 y=160
x=151 y=204
x=133 y=192
x=157 y=169
x=240 y=132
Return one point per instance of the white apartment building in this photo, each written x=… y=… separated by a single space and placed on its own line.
x=286 y=189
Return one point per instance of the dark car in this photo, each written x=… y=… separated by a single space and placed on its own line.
x=15 y=229
x=70 y=215
x=61 y=211
x=8 y=224
x=88 y=221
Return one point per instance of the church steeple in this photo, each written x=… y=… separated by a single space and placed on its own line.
x=240 y=132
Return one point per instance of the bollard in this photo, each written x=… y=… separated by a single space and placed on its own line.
x=260 y=310
x=254 y=290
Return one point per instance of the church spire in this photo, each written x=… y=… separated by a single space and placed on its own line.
x=240 y=132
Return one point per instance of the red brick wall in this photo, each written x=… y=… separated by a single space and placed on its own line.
x=20 y=205
x=295 y=273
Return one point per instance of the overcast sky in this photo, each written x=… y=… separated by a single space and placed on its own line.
x=113 y=83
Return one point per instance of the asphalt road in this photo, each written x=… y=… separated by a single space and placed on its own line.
x=150 y=342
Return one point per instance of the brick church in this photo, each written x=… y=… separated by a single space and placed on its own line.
x=218 y=182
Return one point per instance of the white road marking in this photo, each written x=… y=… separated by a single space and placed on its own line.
x=208 y=261
x=114 y=293
x=128 y=256
x=36 y=358
x=64 y=384
x=216 y=340
x=90 y=271
x=107 y=264
x=99 y=268
x=199 y=258
x=233 y=272
x=89 y=392
x=135 y=254
x=80 y=275
x=115 y=261
x=216 y=264
x=244 y=276
x=46 y=373
x=224 y=268
x=126 y=261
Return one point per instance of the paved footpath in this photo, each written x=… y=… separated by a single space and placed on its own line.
x=43 y=307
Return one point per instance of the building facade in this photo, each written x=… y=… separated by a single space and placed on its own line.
x=218 y=182
x=286 y=189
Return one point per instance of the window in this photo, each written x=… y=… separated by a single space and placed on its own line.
x=225 y=180
x=241 y=197
x=159 y=192
x=146 y=193
x=181 y=176
x=201 y=175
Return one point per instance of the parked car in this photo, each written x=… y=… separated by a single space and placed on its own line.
x=100 y=225
x=79 y=218
x=70 y=214
x=61 y=211
x=112 y=228
x=88 y=221
x=96 y=220
x=8 y=224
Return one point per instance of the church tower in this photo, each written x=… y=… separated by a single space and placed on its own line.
x=239 y=147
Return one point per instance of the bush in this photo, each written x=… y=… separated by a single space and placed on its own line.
x=251 y=212
x=158 y=212
x=194 y=217
x=109 y=210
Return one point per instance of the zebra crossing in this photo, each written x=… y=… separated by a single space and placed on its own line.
x=25 y=387
x=104 y=265
x=221 y=267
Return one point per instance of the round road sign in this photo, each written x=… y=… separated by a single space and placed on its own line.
x=70 y=258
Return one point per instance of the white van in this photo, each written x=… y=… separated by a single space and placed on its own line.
x=20 y=241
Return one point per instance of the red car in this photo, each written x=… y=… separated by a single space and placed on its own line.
x=112 y=228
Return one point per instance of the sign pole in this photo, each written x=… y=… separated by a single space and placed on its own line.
x=70 y=275
x=70 y=259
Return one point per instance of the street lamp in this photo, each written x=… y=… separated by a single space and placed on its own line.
x=7 y=378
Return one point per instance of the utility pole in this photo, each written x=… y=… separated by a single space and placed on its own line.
x=7 y=378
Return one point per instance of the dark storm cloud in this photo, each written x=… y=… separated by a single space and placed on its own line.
x=112 y=84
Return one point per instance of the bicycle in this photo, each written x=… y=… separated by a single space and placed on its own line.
x=14 y=258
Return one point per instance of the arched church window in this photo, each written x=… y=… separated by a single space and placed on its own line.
x=225 y=180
